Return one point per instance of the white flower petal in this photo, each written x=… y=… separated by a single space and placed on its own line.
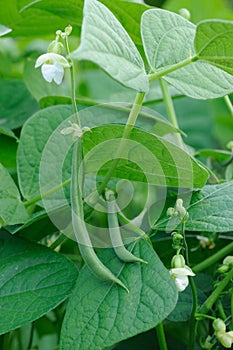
x=52 y=58
x=182 y=271
x=59 y=73
x=181 y=283
x=48 y=71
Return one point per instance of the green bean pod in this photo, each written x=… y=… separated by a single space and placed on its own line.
x=115 y=234
x=85 y=246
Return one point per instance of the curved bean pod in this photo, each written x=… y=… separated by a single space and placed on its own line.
x=85 y=246
x=115 y=234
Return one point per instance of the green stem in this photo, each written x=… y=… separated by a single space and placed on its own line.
x=46 y=194
x=215 y=294
x=229 y=104
x=72 y=78
x=59 y=241
x=193 y=322
x=161 y=336
x=214 y=258
x=202 y=316
x=170 y=69
x=221 y=310
x=127 y=130
x=170 y=110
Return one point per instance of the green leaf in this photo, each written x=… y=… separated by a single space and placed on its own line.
x=145 y=158
x=174 y=41
x=16 y=103
x=164 y=43
x=101 y=314
x=34 y=21
x=105 y=42
x=12 y=210
x=211 y=209
x=34 y=136
x=34 y=280
x=46 y=124
x=70 y=10
x=213 y=43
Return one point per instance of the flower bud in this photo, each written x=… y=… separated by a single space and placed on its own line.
x=228 y=260
x=171 y=212
x=68 y=30
x=229 y=145
x=178 y=261
x=185 y=13
x=219 y=325
x=55 y=47
x=223 y=268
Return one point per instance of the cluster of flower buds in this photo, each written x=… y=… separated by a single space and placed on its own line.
x=178 y=211
x=225 y=338
x=180 y=272
x=53 y=63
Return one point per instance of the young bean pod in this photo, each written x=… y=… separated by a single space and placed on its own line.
x=85 y=246
x=115 y=234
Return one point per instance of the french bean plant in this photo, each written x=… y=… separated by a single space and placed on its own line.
x=115 y=222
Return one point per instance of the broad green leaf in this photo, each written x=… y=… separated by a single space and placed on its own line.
x=105 y=42
x=146 y=158
x=213 y=43
x=164 y=34
x=16 y=103
x=201 y=80
x=70 y=10
x=101 y=314
x=12 y=210
x=211 y=209
x=34 y=136
x=33 y=21
x=173 y=39
x=34 y=280
x=46 y=124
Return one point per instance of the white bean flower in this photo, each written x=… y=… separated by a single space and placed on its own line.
x=52 y=66
x=225 y=338
x=180 y=276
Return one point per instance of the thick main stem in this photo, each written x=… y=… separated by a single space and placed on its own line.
x=229 y=104
x=128 y=128
x=193 y=322
x=215 y=294
x=170 y=109
x=161 y=336
x=214 y=258
x=72 y=79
